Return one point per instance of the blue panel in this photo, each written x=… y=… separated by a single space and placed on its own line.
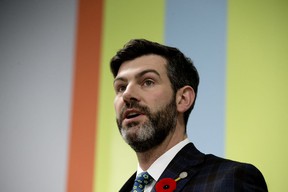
x=198 y=28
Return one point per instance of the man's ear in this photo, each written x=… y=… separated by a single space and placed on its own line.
x=185 y=98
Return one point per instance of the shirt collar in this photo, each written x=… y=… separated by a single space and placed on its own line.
x=157 y=168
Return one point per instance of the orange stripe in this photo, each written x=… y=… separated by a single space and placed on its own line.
x=85 y=97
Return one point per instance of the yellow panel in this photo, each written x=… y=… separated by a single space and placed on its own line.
x=124 y=20
x=257 y=87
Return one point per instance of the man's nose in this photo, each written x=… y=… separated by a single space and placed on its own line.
x=131 y=93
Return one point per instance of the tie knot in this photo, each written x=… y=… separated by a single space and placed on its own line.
x=141 y=181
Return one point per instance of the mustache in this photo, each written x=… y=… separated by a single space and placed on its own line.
x=134 y=105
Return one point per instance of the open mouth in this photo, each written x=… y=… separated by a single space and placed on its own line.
x=132 y=115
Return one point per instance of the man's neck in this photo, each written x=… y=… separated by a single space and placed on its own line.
x=146 y=159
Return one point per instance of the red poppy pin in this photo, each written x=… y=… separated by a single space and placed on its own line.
x=169 y=184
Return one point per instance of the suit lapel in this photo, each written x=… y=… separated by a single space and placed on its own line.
x=129 y=184
x=186 y=160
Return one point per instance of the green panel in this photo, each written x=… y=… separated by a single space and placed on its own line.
x=257 y=87
x=123 y=20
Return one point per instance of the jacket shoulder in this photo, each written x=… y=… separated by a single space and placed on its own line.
x=227 y=175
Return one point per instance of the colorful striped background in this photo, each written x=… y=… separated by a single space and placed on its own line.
x=240 y=49
x=57 y=121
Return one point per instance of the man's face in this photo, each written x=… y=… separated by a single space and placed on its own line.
x=144 y=103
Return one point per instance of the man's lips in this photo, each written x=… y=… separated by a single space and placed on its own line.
x=131 y=113
x=130 y=116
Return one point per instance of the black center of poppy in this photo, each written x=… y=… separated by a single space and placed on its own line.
x=166 y=187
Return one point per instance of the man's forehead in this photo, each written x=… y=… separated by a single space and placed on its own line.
x=146 y=62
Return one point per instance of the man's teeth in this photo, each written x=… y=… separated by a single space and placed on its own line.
x=132 y=115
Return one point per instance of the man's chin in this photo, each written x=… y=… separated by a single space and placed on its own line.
x=142 y=146
x=130 y=133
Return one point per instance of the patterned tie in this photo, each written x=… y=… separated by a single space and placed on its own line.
x=141 y=181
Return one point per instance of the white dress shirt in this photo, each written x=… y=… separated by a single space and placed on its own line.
x=158 y=167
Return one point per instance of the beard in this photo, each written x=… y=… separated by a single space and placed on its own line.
x=153 y=131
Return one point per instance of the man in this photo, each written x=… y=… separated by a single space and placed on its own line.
x=156 y=88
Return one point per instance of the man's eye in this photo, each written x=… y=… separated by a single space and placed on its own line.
x=120 y=89
x=148 y=83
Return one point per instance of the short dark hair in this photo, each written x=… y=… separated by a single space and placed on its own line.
x=180 y=69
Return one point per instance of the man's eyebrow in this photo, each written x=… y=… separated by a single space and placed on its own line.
x=138 y=75
x=147 y=71
x=119 y=79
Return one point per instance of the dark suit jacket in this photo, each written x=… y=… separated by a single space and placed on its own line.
x=208 y=173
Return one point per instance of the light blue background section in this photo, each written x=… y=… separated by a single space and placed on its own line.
x=198 y=28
